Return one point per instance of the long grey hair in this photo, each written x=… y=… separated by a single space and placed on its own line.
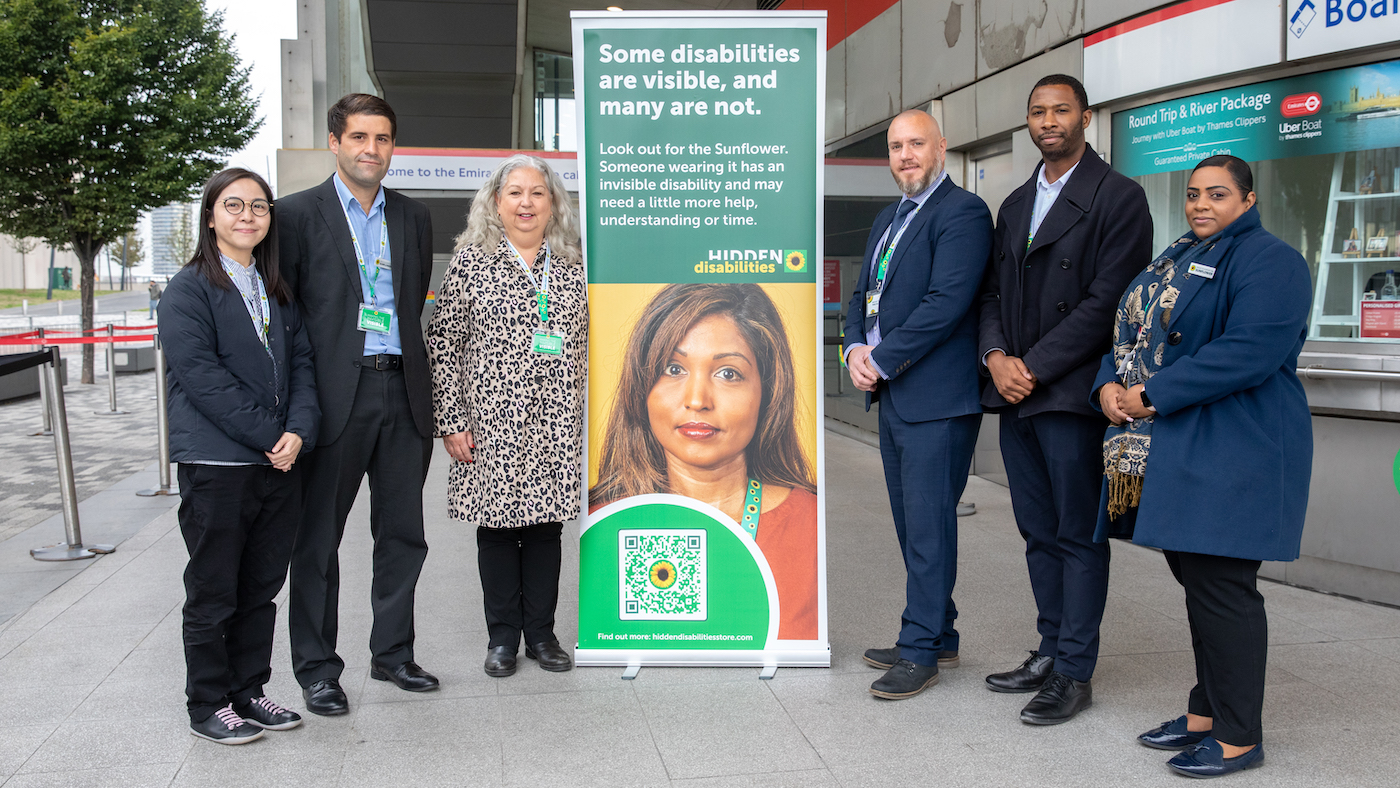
x=484 y=227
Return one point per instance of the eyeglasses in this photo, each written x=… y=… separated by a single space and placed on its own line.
x=234 y=205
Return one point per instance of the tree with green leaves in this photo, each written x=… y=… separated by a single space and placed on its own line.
x=109 y=108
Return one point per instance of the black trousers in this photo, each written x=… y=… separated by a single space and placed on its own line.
x=1230 y=636
x=1055 y=468
x=520 y=582
x=381 y=440
x=238 y=523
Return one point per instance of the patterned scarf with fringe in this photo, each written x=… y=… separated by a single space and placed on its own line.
x=1139 y=342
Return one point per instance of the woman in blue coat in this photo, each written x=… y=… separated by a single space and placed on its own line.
x=1210 y=454
x=242 y=411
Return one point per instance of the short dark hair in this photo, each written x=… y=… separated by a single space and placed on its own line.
x=1066 y=80
x=1238 y=168
x=360 y=104
x=206 y=254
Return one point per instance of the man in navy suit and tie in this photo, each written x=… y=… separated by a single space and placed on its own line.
x=911 y=344
x=1068 y=241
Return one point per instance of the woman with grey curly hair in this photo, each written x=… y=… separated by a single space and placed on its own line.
x=508 y=349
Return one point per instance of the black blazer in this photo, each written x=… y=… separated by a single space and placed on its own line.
x=1053 y=304
x=318 y=262
x=928 y=315
x=224 y=403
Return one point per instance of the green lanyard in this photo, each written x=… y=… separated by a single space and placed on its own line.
x=360 y=255
x=889 y=252
x=753 y=507
x=541 y=285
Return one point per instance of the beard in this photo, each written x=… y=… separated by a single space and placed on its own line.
x=914 y=185
x=1068 y=144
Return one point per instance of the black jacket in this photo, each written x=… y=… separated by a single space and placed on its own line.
x=318 y=260
x=224 y=404
x=1053 y=305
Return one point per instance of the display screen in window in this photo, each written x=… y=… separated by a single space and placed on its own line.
x=1325 y=150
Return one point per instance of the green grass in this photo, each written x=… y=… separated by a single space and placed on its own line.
x=11 y=298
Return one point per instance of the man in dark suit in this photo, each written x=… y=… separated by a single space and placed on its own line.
x=358 y=257
x=911 y=343
x=1068 y=241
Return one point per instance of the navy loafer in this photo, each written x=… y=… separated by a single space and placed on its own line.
x=1207 y=759
x=1172 y=735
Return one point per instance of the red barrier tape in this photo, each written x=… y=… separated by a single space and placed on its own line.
x=21 y=339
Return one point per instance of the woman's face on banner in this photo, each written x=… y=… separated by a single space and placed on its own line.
x=704 y=408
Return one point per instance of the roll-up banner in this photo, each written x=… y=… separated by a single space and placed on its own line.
x=700 y=152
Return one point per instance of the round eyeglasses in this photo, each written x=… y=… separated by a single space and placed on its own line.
x=234 y=205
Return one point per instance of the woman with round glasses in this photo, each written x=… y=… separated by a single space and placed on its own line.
x=242 y=410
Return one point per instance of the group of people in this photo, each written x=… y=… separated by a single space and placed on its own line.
x=1101 y=361
x=1057 y=317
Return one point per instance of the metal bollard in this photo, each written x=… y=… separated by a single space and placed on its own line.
x=162 y=428
x=73 y=549
x=47 y=419
x=111 y=375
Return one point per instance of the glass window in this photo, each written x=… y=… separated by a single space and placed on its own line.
x=554 y=102
x=1325 y=151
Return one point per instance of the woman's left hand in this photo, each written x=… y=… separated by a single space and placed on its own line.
x=285 y=452
x=1131 y=403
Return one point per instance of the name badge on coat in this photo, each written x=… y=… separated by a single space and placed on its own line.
x=1197 y=269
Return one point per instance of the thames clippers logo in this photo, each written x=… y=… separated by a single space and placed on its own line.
x=1300 y=105
x=1302 y=17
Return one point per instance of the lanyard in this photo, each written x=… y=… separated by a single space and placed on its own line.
x=360 y=255
x=260 y=321
x=753 y=504
x=541 y=285
x=889 y=252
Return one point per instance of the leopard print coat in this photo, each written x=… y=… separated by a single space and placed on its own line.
x=524 y=409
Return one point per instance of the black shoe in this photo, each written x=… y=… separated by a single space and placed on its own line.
x=407 y=675
x=1058 y=701
x=1207 y=759
x=267 y=715
x=1172 y=735
x=551 y=656
x=226 y=727
x=884 y=658
x=904 y=680
x=1027 y=678
x=326 y=698
x=500 y=662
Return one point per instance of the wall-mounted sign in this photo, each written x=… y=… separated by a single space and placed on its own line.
x=1380 y=319
x=1328 y=112
x=1317 y=27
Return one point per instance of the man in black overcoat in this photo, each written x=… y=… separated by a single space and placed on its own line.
x=1067 y=243
x=358 y=258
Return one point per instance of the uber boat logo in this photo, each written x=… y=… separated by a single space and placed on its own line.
x=1302 y=17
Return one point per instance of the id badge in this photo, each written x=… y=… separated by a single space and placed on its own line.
x=548 y=342
x=374 y=320
x=872 y=304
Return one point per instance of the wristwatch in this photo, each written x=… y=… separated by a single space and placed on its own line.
x=1146 y=403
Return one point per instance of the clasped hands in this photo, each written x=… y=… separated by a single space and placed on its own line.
x=1013 y=379
x=285 y=452
x=1123 y=404
x=863 y=374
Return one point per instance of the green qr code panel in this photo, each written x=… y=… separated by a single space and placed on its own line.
x=662 y=575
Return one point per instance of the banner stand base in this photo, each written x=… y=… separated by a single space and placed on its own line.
x=768 y=672
x=631 y=672
x=632 y=661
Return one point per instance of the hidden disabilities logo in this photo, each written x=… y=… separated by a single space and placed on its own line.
x=753 y=261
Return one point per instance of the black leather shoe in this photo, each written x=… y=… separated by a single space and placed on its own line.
x=884 y=658
x=1027 y=678
x=1207 y=759
x=326 y=698
x=1058 y=701
x=1172 y=735
x=904 y=680
x=500 y=662
x=551 y=656
x=407 y=675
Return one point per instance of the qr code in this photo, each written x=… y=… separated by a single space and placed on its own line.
x=662 y=574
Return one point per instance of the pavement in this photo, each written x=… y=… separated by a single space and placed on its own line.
x=92 y=675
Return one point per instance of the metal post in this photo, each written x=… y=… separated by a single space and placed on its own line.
x=111 y=375
x=162 y=428
x=73 y=549
x=44 y=396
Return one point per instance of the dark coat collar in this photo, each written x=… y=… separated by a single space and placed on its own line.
x=333 y=212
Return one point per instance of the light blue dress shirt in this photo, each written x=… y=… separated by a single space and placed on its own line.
x=366 y=229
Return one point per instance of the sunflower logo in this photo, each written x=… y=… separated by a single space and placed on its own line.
x=663 y=574
x=795 y=261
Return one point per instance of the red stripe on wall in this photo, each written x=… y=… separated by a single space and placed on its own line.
x=843 y=17
x=1153 y=18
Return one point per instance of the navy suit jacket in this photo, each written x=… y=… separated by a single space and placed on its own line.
x=928 y=328
x=1052 y=305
